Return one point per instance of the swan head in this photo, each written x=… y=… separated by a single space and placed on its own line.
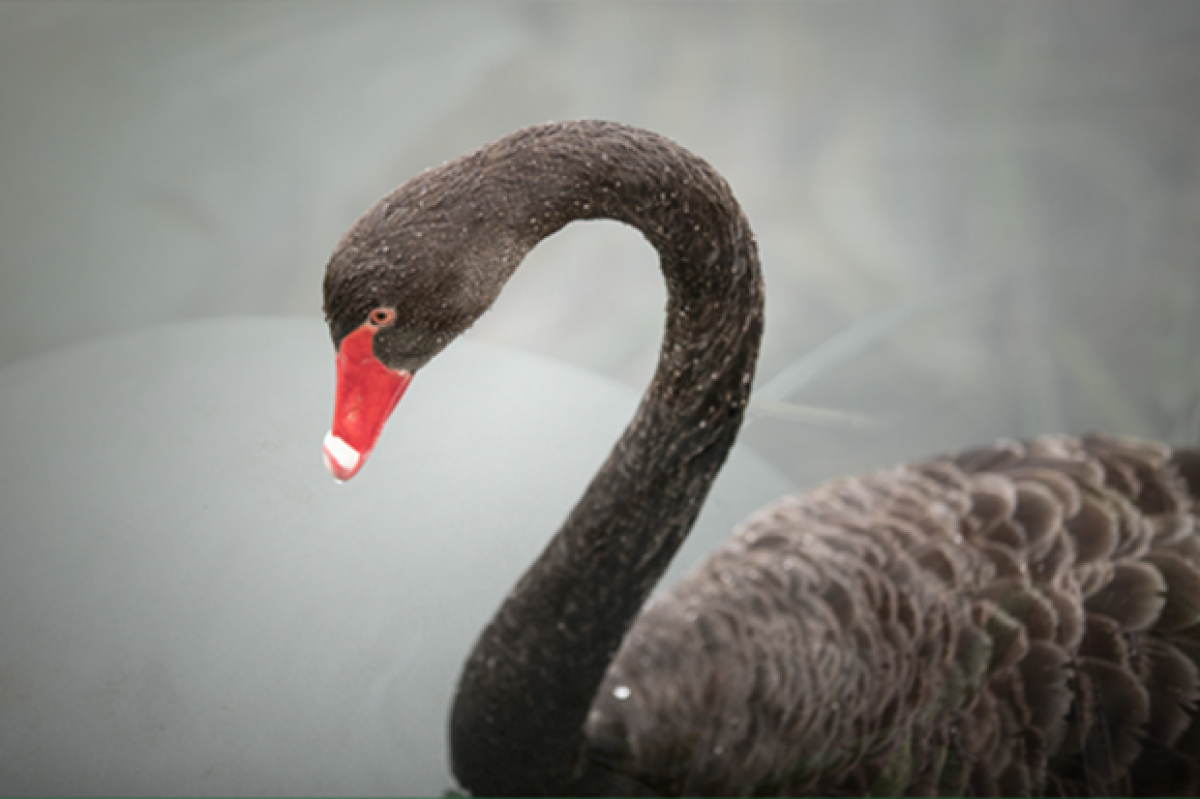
x=410 y=276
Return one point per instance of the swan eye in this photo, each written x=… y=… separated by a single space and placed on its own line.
x=380 y=317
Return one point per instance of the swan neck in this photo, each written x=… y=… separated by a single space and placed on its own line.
x=517 y=725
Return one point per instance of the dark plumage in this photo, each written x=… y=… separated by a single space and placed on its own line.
x=1017 y=619
x=1021 y=618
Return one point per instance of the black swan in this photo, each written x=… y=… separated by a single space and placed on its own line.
x=1023 y=618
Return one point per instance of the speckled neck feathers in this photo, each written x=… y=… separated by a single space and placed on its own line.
x=517 y=724
x=456 y=233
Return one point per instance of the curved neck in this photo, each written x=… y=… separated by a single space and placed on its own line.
x=517 y=724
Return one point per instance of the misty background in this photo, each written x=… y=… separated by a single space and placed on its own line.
x=1019 y=180
x=976 y=219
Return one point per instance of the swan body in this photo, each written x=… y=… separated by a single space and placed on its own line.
x=1021 y=618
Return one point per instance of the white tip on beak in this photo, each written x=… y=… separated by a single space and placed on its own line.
x=341 y=459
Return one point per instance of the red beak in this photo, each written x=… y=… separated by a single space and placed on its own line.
x=365 y=395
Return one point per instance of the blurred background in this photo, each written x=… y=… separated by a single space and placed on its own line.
x=975 y=219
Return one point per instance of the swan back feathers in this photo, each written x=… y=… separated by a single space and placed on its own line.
x=1021 y=618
